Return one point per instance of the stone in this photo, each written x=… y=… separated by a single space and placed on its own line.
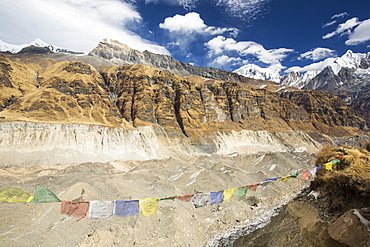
x=349 y=230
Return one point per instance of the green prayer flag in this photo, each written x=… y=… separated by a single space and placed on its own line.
x=44 y=195
x=242 y=191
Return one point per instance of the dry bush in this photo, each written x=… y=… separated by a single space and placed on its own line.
x=348 y=185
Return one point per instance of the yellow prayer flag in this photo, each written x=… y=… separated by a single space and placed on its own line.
x=284 y=179
x=148 y=206
x=228 y=193
x=329 y=166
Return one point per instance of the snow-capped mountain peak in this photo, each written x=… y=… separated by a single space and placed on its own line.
x=7 y=47
x=256 y=72
x=349 y=60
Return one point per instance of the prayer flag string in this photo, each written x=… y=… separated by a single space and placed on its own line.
x=148 y=206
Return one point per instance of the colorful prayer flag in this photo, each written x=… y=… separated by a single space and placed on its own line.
x=228 y=193
x=272 y=179
x=329 y=166
x=335 y=162
x=216 y=197
x=14 y=195
x=148 y=206
x=126 y=208
x=200 y=199
x=100 y=209
x=253 y=187
x=242 y=191
x=306 y=175
x=313 y=172
x=44 y=195
x=78 y=209
x=185 y=198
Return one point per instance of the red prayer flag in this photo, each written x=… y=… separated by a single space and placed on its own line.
x=185 y=198
x=306 y=174
x=78 y=209
x=253 y=187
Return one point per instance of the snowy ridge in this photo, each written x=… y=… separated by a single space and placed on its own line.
x=256 y=72
x=298 y=80
x=350 y=60
x=6 y=47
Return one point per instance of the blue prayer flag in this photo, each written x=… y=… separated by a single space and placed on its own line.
x=216 y=197
x=126 y=208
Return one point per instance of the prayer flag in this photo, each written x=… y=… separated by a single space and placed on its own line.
x=14 y=195
x=313 y=172
x=100 y=209
x=228 y=193
x=263 y=184
x=306 y=175
x=78 y=209
x=200 y=199
x=148 y=206
x=242 y=191
x=335 y=162
x=185 y=198
x=216 y=197
x=253 y=187
x=272 y=179
x=44 y=195
x=329 y=166
x=126 y=208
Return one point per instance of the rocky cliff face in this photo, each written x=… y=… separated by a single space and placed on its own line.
x=137 y=103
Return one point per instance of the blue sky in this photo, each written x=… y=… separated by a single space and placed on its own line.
x=284 y=34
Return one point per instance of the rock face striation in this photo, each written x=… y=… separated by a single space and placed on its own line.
x=136 y=105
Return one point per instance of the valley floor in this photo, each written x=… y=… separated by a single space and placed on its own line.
x=175 y=223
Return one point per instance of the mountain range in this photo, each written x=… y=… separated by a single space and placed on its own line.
x=347 y=77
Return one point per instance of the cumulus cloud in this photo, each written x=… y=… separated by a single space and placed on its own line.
x=318 y=54
x=220 y=44
x=360 y=34
x=226 y=62
x=77 y=25
x=312 y=67
x=192 y=23
x=344 y=28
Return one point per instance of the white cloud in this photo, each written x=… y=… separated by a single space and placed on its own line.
x=318 y=54
x=220 y=44
x=77 y=25
x=329 y=24
x=344 y=28
x=312 y=67
x=360 y=34
x=339 y=15
x=225 y=61
x=192 y=23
